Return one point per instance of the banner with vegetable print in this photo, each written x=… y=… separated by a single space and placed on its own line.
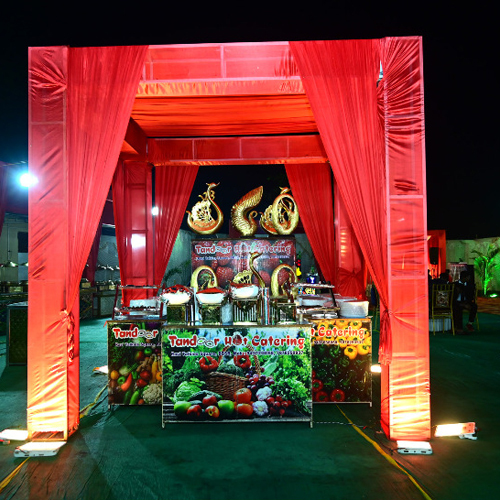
x=341 y=361
x=219 y=374
x=134 y=363
x=229 y=257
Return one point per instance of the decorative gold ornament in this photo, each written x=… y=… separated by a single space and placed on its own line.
x=284 y=213
x=210 y=280
x=243 y=277
x=200 y=219
x=253 y=256
x=242 y=220
x=266 y=222
x=276 y=289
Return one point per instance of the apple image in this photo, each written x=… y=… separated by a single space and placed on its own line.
x=226 y=408
x=212 y=412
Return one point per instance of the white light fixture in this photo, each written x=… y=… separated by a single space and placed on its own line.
x=155 y=211
x=27 y=180
x=376 y=369
x=414 y=448
x=138 y=240
x=101 y=369
x=39 y=449
x=14 y=435
x=463 y=431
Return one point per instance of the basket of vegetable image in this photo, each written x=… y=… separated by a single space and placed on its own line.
x=226 y=383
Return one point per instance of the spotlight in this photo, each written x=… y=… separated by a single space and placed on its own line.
x=14 y=435
x=376 y=369
x=27 y=180
x=155 y=211
x=463 y=431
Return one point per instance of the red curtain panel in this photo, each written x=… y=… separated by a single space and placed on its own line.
x=312 y=189
x=173 y=186
x=351 y=269
x=79 y=108
x=373 y=134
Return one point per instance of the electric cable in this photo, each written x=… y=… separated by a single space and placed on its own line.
x=13 y=474
x=83 y=412
x=386 y=456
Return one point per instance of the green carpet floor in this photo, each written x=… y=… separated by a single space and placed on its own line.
x=124 y=453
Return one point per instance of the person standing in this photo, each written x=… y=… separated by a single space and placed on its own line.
x=465 y=293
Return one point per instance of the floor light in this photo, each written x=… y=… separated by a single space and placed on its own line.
x=14 y=435
x=463 y=431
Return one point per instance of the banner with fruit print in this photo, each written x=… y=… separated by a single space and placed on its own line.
x=341 y=360
x=134 y=363
x=228 y=257
x=222 y=374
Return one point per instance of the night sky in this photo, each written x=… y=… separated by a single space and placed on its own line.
x=459 y=76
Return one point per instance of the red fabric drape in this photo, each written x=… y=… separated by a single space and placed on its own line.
x=80 y=104
x=340 y=81
x=173 y=186
x=351 y=270
x=132 y=204
x=312 y=189
x=377 y=156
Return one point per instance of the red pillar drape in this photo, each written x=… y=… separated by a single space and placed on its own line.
x=132 y=204
x=79 y=108
x=173 y=186
x=312 y=189
x=374 y=140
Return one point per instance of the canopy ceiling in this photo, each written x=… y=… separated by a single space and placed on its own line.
x=204 y=91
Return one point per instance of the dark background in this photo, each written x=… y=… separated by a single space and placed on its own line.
x=459 y=76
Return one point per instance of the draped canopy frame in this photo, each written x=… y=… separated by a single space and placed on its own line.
x=263 y=114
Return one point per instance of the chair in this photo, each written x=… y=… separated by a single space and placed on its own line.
x=442 y=305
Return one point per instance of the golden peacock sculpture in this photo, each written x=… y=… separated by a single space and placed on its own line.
x=282 y=217
x=200 y=219
x=242 y=218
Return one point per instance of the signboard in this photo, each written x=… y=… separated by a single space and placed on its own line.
x=134 y=363
x=341 y=360
x=223 y=374
x=230 y=256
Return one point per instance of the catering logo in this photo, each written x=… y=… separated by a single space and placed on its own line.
x=134 y=333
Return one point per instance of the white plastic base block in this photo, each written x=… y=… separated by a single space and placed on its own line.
x=414 y=448
x=39 y=449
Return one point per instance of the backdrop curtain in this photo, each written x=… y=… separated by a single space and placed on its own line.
x=340 y=79
x=312 y=189
x=173 y=186
x=80 y=104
